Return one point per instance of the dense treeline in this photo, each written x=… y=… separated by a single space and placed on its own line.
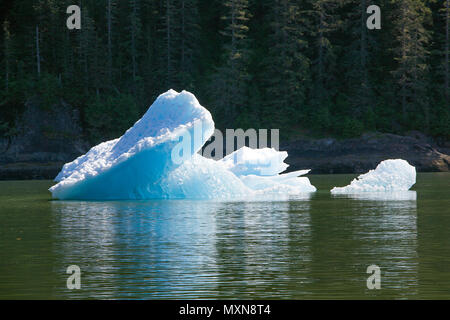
x=309 y=67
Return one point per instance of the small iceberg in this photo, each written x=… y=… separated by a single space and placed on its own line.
x=158 y=159
x=389 y=176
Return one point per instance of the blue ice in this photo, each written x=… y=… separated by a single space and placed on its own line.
x=158 y=158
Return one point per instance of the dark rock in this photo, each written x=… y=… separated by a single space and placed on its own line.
x=46 y=139
x=358 y=155
x=30 y=170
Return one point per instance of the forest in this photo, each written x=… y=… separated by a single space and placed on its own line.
x=308 y=67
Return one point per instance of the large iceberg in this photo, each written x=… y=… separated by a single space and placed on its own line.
x=389 y=176
x=158 y=158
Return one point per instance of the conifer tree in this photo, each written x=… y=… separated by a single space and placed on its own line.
x=357 y=58
x=189 y=42
x=110 y=18
x=288 y=68
x=311 y=64
x=230 y=81
x=326 y=23
x=170 y=43
x=135 y=30
x=322 y=52
x=445 y=11
x=411 y=54
x=87 y=45
x=7 y=52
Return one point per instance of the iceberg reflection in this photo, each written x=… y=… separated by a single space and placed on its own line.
x=180 y=248
x=380 y=196
x=300 y=248
x=126 y=248
x=382 y=230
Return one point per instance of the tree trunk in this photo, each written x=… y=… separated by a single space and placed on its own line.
x=133 y=40
x=109 y=21
x=447 y=18
x=363 y=34
x=38 y=57
x=7 y=52
x=169 y=66
x=403 y=92
x=183 y=36
x=320 y=76
x=365 y=104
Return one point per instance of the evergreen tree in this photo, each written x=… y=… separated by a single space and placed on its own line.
x=150 y=66
x=411 y=57
x=288 y=71
x=445 y=12
x=229 y=84
x=7 y=52
x=322 y=52
x=189 y=43
x=357 y=58
x=170 y=43
x=307 y=65
x=110 y=18
x=87 y=45
x=134 y=34
x=326 y=23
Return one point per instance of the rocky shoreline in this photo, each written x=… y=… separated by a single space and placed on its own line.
x=358 y=155
x=323 y=156
x=47 y=139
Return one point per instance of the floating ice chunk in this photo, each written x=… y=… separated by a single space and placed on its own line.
x=157 y=158
x=130 y=167
x=263 y=162
x=389 y=176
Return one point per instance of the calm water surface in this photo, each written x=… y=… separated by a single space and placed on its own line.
x=314 y=247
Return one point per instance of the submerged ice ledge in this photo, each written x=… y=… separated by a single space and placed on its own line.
x=147 y=162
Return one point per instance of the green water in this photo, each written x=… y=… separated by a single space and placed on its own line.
x=312 y=247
